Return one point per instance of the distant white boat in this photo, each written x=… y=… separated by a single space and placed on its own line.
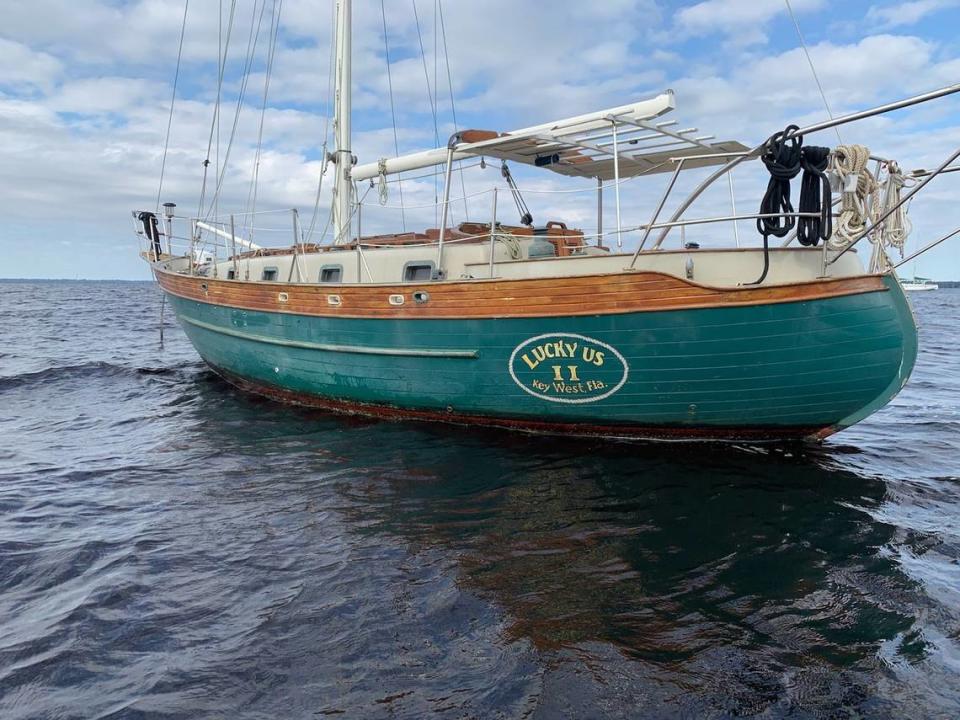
x=919 y=284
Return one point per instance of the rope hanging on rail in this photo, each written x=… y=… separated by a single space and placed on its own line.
x=858 y=185
x=512 y=245
x=897 y=227
x=781 y=154
x=815 y=197
x=383 y=192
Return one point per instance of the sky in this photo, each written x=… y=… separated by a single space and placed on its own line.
x=85 y=92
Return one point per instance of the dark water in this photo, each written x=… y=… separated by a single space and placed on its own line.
x=172 y=549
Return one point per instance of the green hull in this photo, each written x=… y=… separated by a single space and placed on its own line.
x=771 y=371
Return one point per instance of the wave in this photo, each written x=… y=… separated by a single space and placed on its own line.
x=88 y=370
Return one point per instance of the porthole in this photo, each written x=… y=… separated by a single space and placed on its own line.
x=331 y=274
x=334 y=300
x=283 y=297
x=395 y=300
x=419 y=271
x=421 y=297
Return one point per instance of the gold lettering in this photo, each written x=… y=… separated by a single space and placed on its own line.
x=573 y=373
x=598 y=361
x=557 y=376
x=532 y=365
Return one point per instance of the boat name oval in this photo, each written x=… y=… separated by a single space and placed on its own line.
x=568 y=368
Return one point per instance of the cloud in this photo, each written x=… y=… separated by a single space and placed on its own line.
x=84 y=102
x=23 y=69
x=744 y=21
x=906 y=13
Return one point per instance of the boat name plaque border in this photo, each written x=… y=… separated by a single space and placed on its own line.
x=568 y=368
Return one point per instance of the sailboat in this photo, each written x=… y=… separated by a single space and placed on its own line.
x=546 y=328
x=919 y=284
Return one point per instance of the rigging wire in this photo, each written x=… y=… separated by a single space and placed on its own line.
x=221 y=70
x=426 y=74
x=173 y=99
x=252 y=41
x=221 y=60
x=433 y=107
x=813 y=69
x=275 y=11
x=436 y=93
x=326 y=138
x=225 y=52
x=393 y=113
x=525 y=217
x=453 y=106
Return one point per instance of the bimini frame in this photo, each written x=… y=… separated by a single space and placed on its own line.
x=609 y=145
x=625 y=142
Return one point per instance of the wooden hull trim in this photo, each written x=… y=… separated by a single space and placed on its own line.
x=543 y=297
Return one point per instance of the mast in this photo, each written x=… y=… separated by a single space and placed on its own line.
x=343 y=157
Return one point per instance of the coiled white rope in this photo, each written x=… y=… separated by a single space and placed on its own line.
x=383 y=191
x=512 y=244
x=849 y=162
x=868 y=199
x=897 y=227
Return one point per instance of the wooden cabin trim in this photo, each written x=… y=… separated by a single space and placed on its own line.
x=541 y=297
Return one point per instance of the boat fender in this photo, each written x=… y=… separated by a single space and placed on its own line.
x=545 y=160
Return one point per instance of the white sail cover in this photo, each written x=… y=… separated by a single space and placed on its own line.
x=581 y=146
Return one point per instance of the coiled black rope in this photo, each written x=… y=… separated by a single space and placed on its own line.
x=781 y=154
x=815 y=197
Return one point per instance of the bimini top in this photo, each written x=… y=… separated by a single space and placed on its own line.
x=581 y=146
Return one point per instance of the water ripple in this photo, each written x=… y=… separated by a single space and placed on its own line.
x=170 y=548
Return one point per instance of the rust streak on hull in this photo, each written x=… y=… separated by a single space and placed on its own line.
x=627 y=432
